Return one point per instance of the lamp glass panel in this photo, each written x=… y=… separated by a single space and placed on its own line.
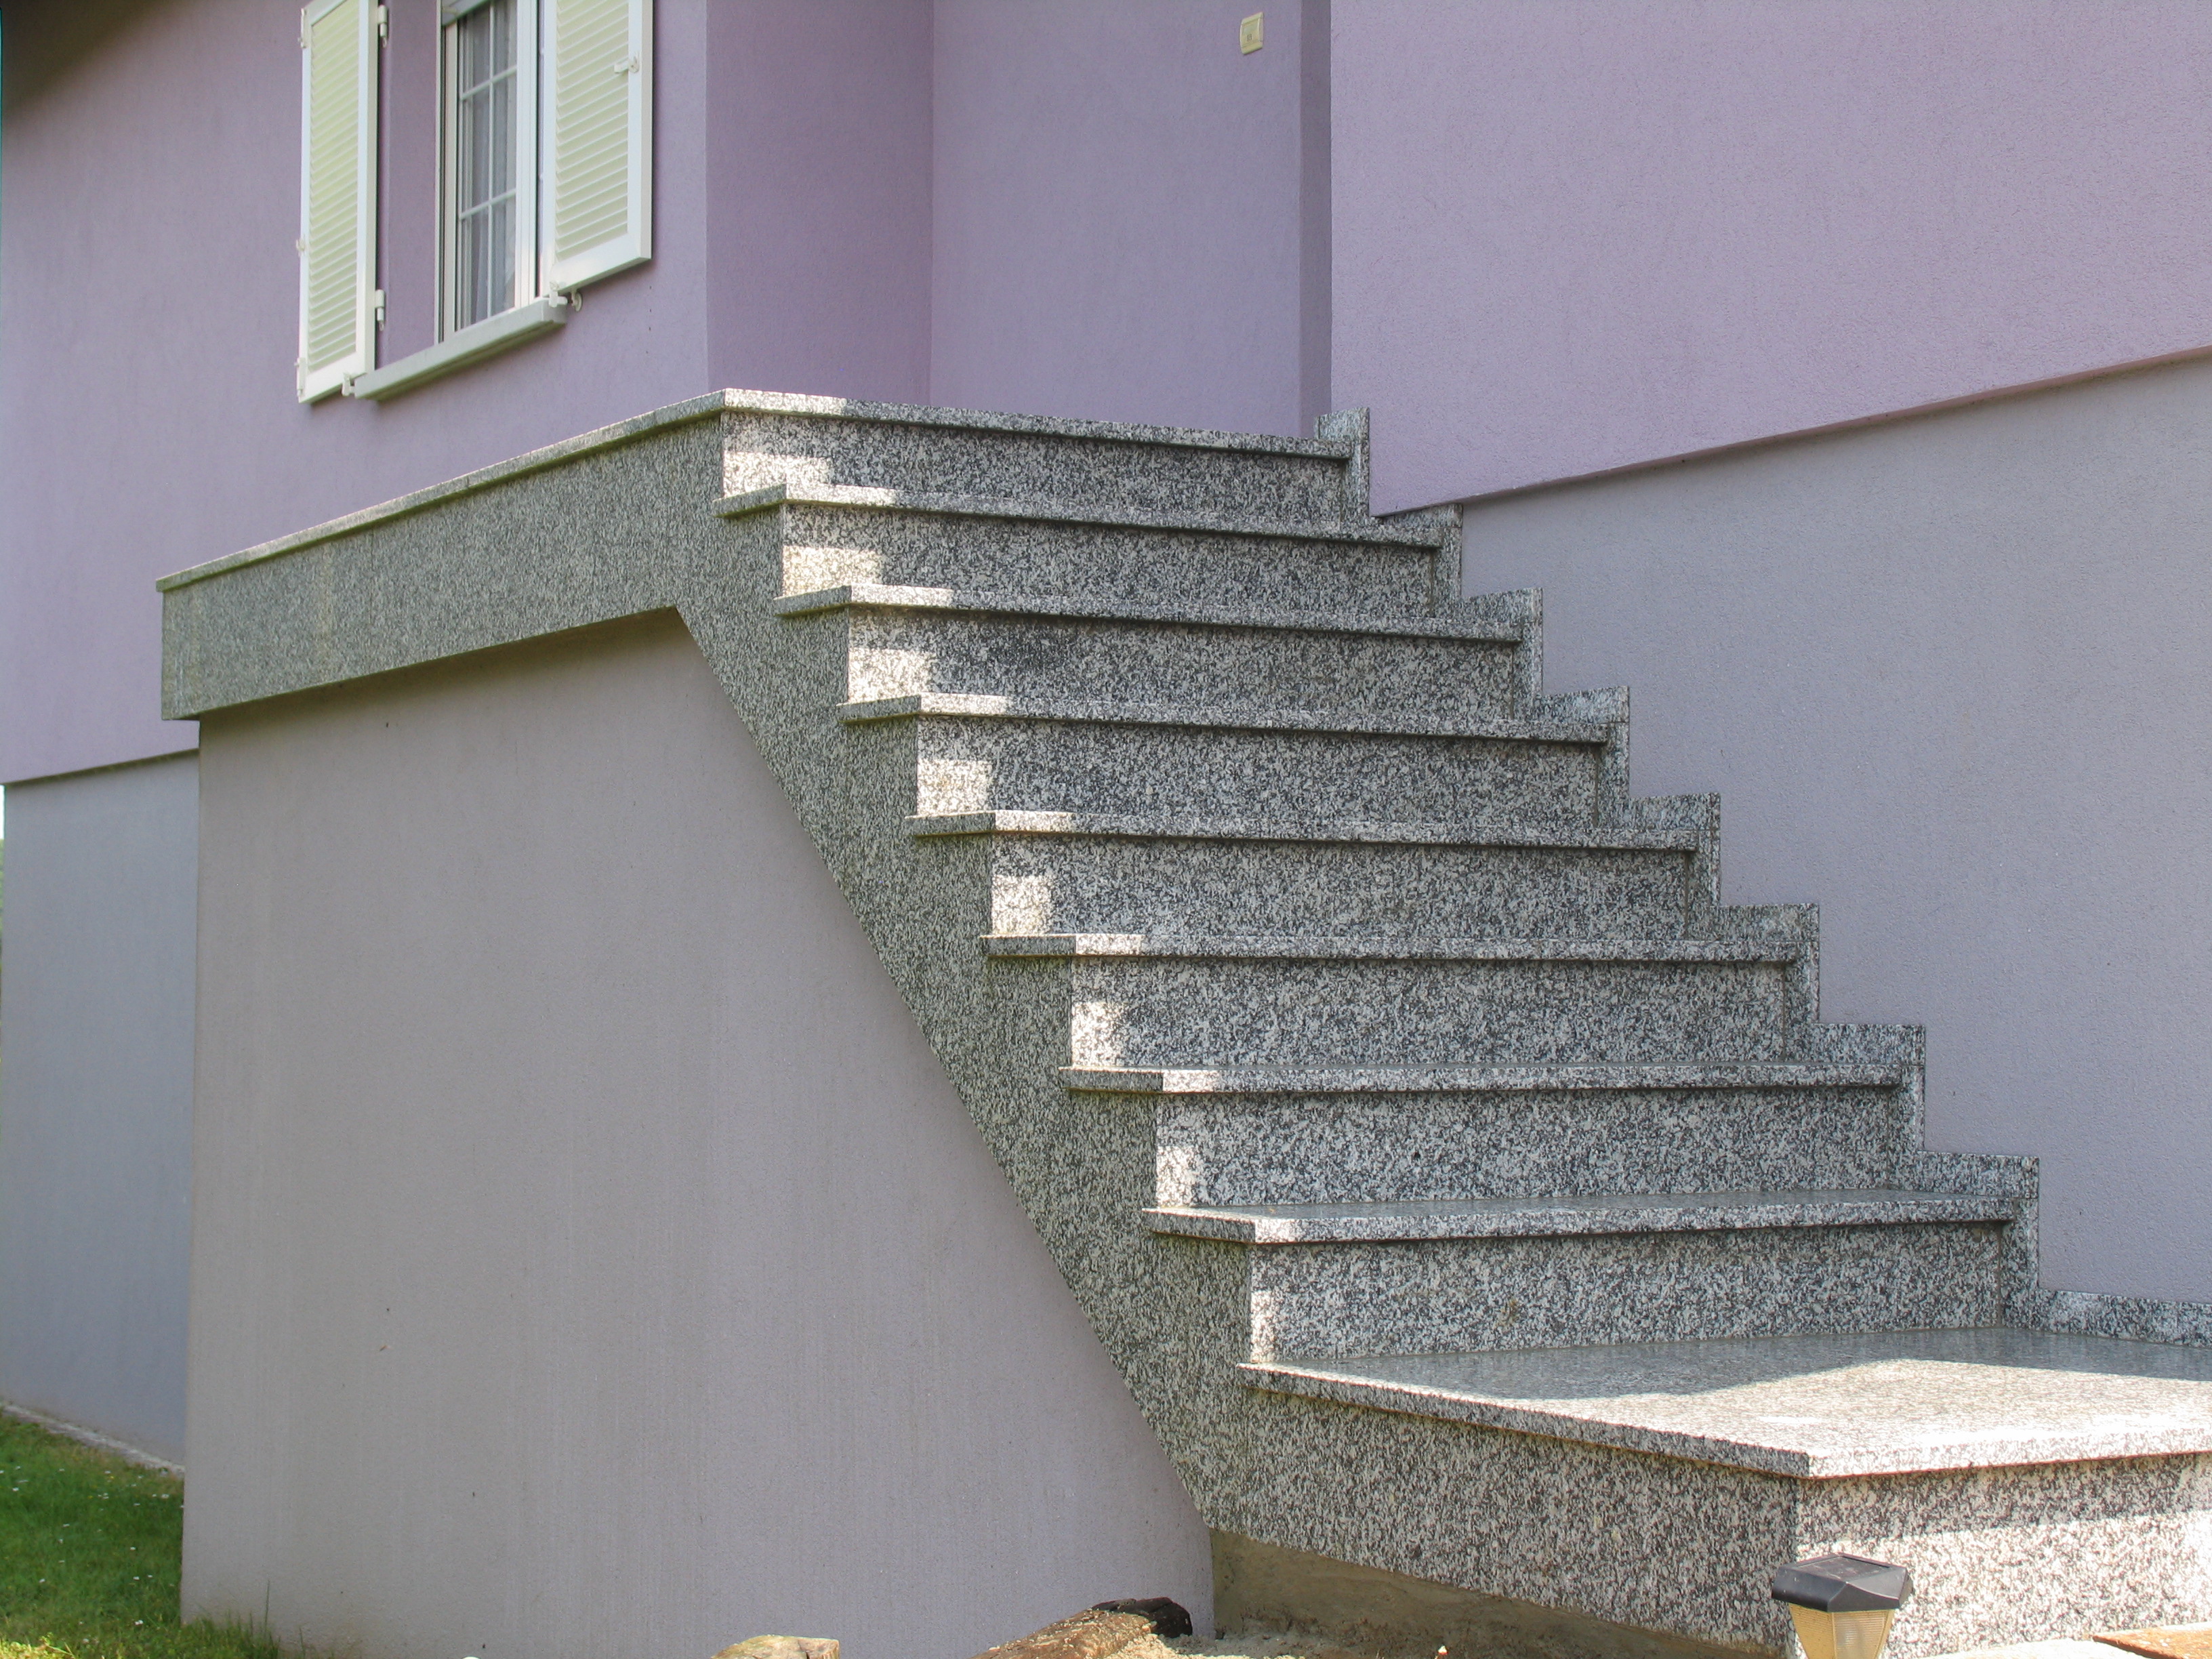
x=1841 y=1635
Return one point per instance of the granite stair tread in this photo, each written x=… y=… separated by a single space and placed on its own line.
x=1288 y=828
x=1390 y=948
x=1811 y=1406
x=1367 y=533
x=988 y=602
x=1563 y=1217
x=1217 y=717
x=1503 y=1079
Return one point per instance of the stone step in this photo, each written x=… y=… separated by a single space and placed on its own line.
x=1481 y=1079
x=1472 y=628
x=771 y=438
x=903 y=642
x=1390 y=948
x=1001 y=754
x=828 y=537
x=1230 y=1009
x=1488 y=834
x=1816 y=1406
x=1568 y=1216
x=1333 y=1135
x=1468 y=1275
x=1089 y=873
x=1212 y=717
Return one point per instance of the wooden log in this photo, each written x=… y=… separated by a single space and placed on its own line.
x=1098 y=1631
x=782 y=1647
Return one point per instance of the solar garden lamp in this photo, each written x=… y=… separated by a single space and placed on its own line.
x=1841 y=1604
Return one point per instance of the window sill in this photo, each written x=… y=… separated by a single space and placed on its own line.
x=479 y=340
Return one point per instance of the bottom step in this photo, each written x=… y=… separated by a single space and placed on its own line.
x=1888 y=1403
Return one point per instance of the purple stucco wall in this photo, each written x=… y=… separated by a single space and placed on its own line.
x=1062 y=207
x=1571 y=236
x=818 y=219
x=1121 y=198
x=147 y=313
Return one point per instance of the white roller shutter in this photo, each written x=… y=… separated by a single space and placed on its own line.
x=338 y=193
x=597 y=202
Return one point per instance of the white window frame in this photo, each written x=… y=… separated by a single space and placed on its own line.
x=527 y=160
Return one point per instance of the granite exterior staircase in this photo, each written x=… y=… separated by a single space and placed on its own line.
x=1463 y=1189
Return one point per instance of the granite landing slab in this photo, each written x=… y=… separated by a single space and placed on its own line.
x=2162 y=1641
x=1811 y=1407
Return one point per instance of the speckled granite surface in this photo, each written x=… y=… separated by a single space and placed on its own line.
x=1890 y=1402
x=1297 y=893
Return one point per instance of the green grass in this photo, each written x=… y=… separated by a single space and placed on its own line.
x=90 y=1549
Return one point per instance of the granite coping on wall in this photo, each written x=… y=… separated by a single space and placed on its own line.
x=764 y=403
x=1811 y=1407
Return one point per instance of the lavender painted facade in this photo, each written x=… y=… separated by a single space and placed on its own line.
x=1574 y=237
x=1550 y=256
x=1073 y=210
x=1131 y=216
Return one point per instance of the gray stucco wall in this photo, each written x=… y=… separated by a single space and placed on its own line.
x=1950 y=676
x=589 y=1254
x=95 y=1099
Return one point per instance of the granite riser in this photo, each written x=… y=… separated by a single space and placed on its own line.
x=824 y=546
x=965 y=764
x=1303 y=1149
x=1165 y=1011
x=802 y=448
x=1112 y=884
x=1451 y=1295
x=895 y=652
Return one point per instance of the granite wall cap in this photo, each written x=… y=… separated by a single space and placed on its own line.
x=757 y=403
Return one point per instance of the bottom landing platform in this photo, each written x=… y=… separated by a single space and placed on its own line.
x=2033 y=1483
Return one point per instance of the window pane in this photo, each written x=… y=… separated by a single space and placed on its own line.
x=484 y=134
x=501 y=120
x=475 y=142
x=499 y=262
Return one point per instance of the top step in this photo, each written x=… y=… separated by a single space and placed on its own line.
x=772 y=439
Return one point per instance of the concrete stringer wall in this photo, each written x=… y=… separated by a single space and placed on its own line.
x=591 y=1256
